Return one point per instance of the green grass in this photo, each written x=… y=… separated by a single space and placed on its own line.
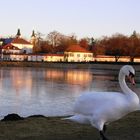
x=53 y=128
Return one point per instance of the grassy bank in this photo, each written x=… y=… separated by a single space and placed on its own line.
x=53 y=128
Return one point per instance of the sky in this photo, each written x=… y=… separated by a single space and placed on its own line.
x=83 y=18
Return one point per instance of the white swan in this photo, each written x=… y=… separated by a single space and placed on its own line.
x=101 y=108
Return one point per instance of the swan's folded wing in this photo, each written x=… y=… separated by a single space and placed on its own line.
x=89 y=103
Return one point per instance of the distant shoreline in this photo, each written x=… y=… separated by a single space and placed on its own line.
x=70 y=65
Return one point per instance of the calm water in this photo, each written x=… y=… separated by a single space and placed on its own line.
x=50 y=92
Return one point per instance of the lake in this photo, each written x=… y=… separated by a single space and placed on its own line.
x=50 y=92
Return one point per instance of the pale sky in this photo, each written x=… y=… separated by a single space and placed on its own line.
x=84 y=18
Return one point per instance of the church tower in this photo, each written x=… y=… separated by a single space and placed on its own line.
x=33 y=38
x=34 y=41
x=18 y=35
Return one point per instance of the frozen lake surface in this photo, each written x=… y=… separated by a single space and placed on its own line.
x=50 y=92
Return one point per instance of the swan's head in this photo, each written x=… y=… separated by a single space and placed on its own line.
x=129 y=71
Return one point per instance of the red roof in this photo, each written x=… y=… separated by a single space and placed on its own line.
x=20 y=41
x=76 y=48
x=10 y=46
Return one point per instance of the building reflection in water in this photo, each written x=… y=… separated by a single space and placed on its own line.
x=40 y=91
x=29 y=81
x=16 y=80
x=77 y=77
x=21 y=80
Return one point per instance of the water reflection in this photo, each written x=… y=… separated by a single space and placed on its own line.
x=69 y=76
x=50 y=92
x=40 y=91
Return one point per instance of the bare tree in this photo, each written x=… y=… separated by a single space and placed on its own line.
x=54 y=38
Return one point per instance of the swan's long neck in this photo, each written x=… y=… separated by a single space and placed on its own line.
x=123 y=84
x=126 y=90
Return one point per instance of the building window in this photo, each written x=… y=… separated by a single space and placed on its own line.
x=71 y=54
x=85 y=55
x=78 y=55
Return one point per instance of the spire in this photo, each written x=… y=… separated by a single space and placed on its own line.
x=33 y=34
x=18 y=33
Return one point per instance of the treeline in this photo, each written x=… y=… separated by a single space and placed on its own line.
x=117 y=45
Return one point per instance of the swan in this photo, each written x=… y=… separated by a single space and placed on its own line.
x=100 y=108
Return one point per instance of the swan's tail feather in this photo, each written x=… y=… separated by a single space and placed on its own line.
x=77 y=118
x=66 y=118
x=71 y=118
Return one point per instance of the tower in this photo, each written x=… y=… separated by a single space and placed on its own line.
x=33 y=34
x=34 y=42
x=18 y=35
x=33 y=39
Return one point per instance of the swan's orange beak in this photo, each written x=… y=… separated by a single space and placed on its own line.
x=132 y=80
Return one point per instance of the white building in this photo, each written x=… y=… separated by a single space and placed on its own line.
x=54 y=57
x=14 y=57
x=46 y=57
x=10 y=49
x=75 y=53
x=36 y=57
x=17 y=44
x=25 y=46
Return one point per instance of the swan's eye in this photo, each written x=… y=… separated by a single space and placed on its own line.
x=131 y=74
